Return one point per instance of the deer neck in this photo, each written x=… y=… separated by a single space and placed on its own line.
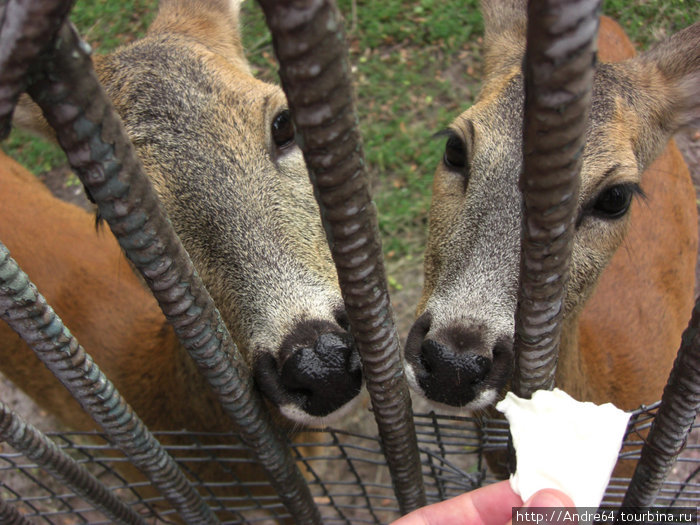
x=571 y=371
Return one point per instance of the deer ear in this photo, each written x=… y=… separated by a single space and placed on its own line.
x=213 y=23
x=505 y=29
x=675 y=65
x=663 y=91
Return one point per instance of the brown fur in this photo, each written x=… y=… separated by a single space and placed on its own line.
x=646 y=332
x=85 y=277
x=244 y=208
x=91 y=286
x=619 y=347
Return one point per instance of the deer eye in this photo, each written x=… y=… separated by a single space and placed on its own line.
x=283 y=129
x=614 y=201
x=455 y=152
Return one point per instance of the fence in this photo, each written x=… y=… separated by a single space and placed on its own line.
x=346 y=473
x=424 y=454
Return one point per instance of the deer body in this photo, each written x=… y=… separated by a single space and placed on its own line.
x=630 y=290
x=615 y=331
x=658 y=283
x=90 y=284
x=92 y=287
x=218 y=146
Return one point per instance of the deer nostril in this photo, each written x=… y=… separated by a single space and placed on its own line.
x=449 y=376
x=341 y=317
x=322 y=378
x=315 y=371
x=427 y=368
x=416 y=337
x=448 y=364
x=503 y=349
x=482 y=367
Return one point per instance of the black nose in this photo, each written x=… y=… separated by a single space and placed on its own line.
x=456 y=364
x=317 y=369
x=325 y=376
x=450 y=377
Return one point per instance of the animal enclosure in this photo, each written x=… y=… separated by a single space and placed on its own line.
x=435 y=455
x=347 y=476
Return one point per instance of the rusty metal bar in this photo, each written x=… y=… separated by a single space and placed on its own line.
x=26 y=29
x=99 y=150
x=309 y=41
x=674 y=419
x=561 y=39
x=27 y=313
x=31 y=442
x=9 y=515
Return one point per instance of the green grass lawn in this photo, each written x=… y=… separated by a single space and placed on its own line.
x=416 y=66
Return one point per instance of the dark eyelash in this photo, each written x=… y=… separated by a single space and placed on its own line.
x=447 y=132
x=635 y=188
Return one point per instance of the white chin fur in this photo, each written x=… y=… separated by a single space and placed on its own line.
x=295 y=414
x=411 y=378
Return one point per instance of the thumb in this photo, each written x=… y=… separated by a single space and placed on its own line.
x=535 y=510
x=549 y=498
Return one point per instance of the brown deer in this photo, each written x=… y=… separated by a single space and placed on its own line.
x=219 y=147
x=630 y=290
x=92 y=287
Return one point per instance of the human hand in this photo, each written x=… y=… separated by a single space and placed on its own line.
x=490 y=505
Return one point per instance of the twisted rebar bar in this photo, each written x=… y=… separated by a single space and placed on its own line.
x=99 y=150
x=558 y=83
x=31 y=442
x=26 y=29
x=28 y=314
x=679 y=407
x=309 y=41
x=9 y=515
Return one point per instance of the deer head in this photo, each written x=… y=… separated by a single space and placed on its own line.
x=459 y=350
x=218 y=146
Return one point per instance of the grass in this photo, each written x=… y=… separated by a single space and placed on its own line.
x=416 y=68
x=648 y=21
x=416 y=65
x=104 y=25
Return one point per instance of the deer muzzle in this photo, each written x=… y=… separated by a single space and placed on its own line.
x=458 y=365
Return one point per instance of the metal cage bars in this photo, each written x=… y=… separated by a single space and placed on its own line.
x=342 y=474
x=679 y=407
x=559 y=57
x=26 y=29
x=27 y=312
x=98 y=149
x=36 y=446
x=9 y=515
x=309 y=41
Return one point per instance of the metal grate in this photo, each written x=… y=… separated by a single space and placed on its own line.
x=346 y=473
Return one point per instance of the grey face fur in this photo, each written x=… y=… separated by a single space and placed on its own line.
x=218 y=146
x=459 y=351
x=479 y=218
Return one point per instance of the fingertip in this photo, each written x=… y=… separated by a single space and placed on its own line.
x=549 y=498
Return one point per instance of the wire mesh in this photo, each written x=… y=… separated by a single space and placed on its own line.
x=345 y=470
